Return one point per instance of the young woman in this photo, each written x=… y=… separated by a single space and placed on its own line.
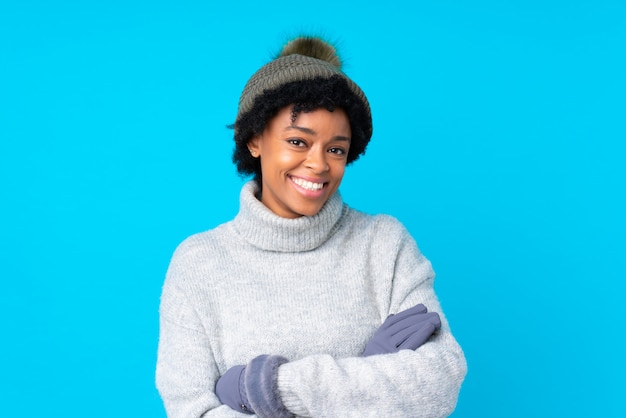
x=301 y=305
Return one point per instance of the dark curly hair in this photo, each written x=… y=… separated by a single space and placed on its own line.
x=305 y=96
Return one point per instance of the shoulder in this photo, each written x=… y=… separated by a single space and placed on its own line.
x=204 y=245
x=386 y=225
x=380 y=232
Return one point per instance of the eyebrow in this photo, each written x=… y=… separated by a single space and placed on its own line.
x=312 y=132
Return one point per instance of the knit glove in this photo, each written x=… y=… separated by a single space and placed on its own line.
x=404 y=331
x=253 y=389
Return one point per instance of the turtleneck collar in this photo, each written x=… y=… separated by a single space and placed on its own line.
x=262 y=228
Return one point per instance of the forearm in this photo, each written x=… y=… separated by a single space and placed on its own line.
x=421 y=383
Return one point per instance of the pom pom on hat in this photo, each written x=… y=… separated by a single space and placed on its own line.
x=312 y=47
x=303 y=58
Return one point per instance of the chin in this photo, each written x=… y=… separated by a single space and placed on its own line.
x=309 y=211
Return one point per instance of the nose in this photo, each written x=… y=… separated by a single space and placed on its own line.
x=316 y=160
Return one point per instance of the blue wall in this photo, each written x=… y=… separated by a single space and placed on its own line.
x=499 y=142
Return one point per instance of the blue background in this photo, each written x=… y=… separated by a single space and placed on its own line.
x=499 y=142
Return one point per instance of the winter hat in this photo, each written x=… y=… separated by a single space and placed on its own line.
x=303 y=58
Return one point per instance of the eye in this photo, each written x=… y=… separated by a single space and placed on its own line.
x=296 y=142
x=337 y=150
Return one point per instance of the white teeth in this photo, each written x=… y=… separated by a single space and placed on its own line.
x=307 y=184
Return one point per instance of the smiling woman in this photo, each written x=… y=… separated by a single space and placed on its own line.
x=303 y=158
x=301 y=305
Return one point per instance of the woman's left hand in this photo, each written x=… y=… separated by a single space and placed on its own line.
x=406 y=330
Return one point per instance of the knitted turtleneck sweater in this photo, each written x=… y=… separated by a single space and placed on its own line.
x=311 y=289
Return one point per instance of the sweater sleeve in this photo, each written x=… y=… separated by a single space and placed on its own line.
x=421 y=383
x=186 y=371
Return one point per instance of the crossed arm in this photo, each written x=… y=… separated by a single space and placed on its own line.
x=253 y=388
x=409 y=367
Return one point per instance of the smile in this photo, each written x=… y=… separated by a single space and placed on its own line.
x=308 y=185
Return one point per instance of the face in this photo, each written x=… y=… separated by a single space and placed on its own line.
x=302 y=161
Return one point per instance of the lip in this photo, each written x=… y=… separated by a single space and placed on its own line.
x=306 y=192
x=311 y=179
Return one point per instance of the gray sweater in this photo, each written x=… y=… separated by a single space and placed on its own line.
x=311 y=289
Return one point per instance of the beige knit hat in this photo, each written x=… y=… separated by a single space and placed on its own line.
x=301 y=59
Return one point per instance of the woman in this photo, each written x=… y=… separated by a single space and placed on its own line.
x=302 y=306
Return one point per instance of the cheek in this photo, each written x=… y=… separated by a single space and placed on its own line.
x=339 y=169
x=277 y=161
x=286 y=159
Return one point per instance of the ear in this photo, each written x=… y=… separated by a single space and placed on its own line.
x=254 y=146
